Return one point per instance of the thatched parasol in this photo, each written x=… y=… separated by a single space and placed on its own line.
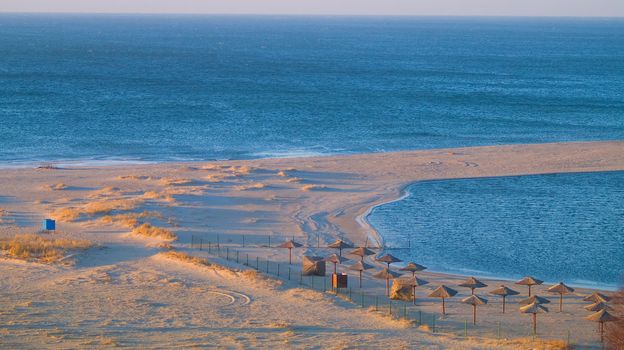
x=360 y=266
x=415 y=282
x=474 y=301
x=340 y=245
x=472 y=283
x=336 y=259
x=362 y=252
x=290 y=245
x=387 y=274
x=596 y=297
x=443 y=292
x=533 y=308
x=560 y=289
x=534 y=299
x=413 y=268
x=601 y=305
x=388 y=259
x=504 y=291
x=529 y=281
x=601 y=317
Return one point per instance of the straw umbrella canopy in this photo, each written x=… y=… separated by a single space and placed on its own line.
x=336 y=259
x=443 y=292
x=388 y=259
x=504 y=291
x=340 y=245
x=601 y=317
x=413 y=268
x=472 y=283
x=560 y=289
x=529 y=281
x=533 y=308
x=415 y=282
x=601 y=305
x=534 y=299
x=290 y=244
x=388 y=275
x=474 y=300
x=596 y=297
x=361 y=252
x=360 y=266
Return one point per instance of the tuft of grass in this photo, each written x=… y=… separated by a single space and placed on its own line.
x=134 y=177
x=57 y=187
x=168 y=181
x=148 y=230
x=243 y=170
x=106 y=191
x=253 y=186
x=130 y=220
x=66 y=214
x=105 y=207
x=185 y=257
x=152 y=195
x=312 y=187
x=35 y=247
x=210 y=167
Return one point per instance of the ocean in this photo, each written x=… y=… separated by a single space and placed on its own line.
x=558 y=227
x=101 y=89
x=117 y=88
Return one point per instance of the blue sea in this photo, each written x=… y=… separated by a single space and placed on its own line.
x=155 y=88
x=559 y=227
x=166 y=88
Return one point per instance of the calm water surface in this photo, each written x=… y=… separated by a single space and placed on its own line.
x=165 y=88
x=563 y=227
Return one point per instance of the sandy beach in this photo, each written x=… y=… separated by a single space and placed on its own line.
x=128 y=289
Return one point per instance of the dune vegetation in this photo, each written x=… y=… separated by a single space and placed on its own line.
x=148 y=230
x=185 y=257
x=40 y=248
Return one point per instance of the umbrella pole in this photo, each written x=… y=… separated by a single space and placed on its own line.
x=560 y=302
x=601 y=332
x=360 y=278
x=472 y=291
x=414 y=294
x=534 y=323
x=289 y=256
x=504 y=303
x=340 y=251
x=443 y=308
x=335 y=268
x=474 y=314
x=529 y=290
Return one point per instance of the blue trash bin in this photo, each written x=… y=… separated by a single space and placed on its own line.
x=49 y=225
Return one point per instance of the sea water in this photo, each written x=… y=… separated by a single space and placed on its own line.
x=166 y=88
x=561 y=227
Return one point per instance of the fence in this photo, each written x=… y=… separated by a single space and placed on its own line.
x=239 y=252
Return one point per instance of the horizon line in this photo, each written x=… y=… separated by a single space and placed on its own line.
x=305 y=14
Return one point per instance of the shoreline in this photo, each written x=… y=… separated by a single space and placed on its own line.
x=102 y=161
